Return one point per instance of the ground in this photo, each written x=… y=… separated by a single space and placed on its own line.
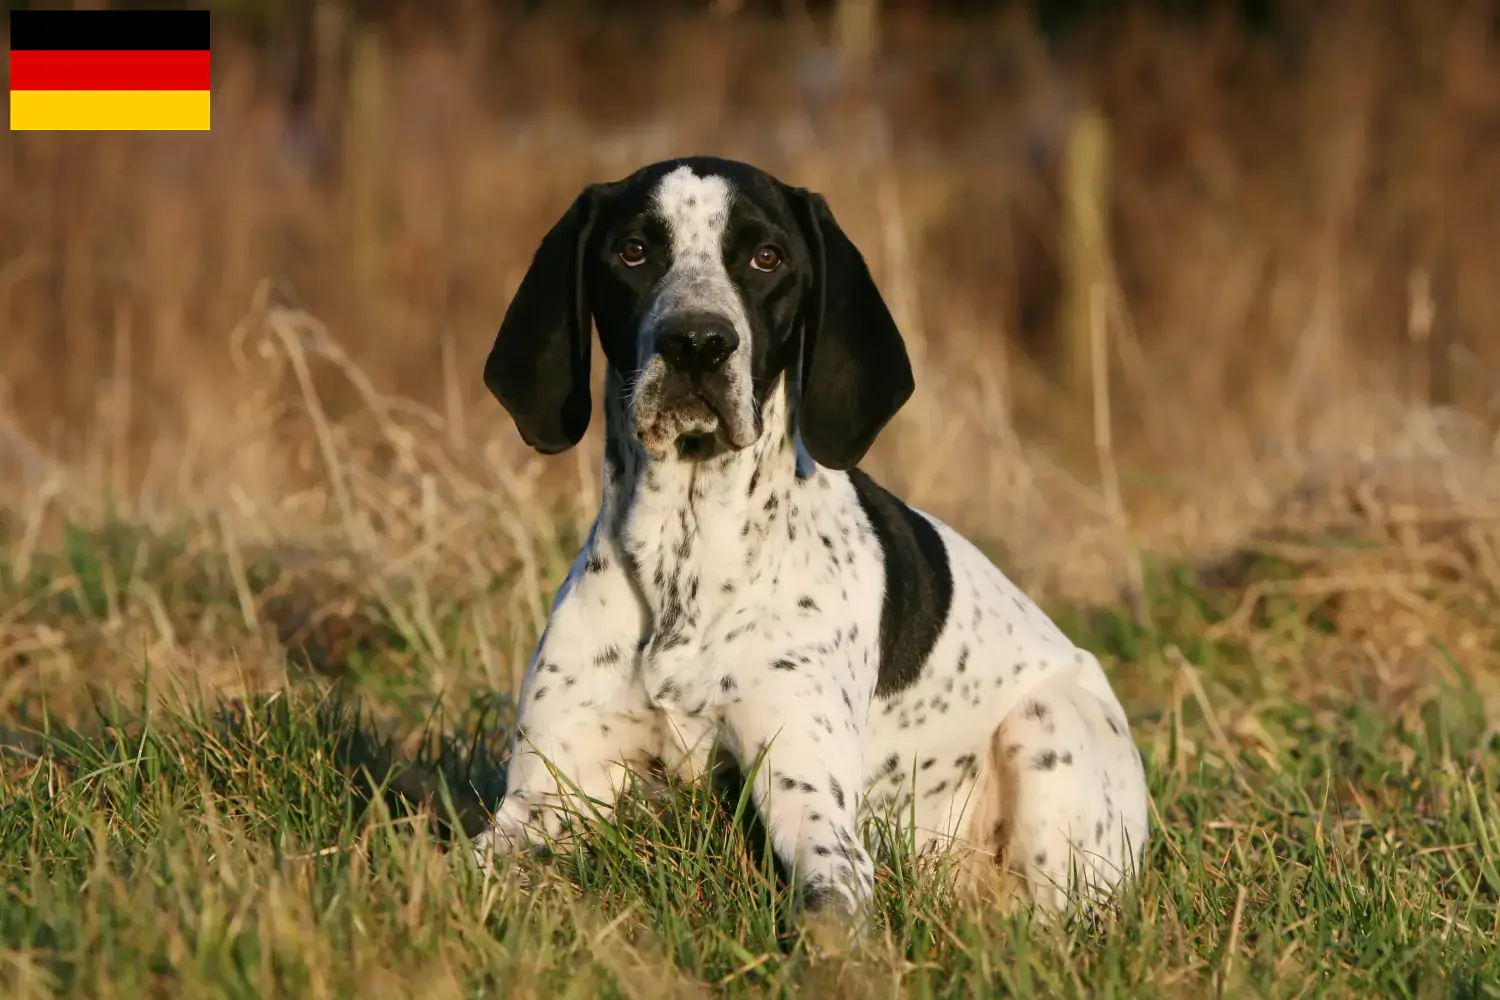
x=1309 y=839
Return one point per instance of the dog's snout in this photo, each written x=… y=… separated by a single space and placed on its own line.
x=697 y=345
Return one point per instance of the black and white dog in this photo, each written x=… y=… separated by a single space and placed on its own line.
x=745 y=586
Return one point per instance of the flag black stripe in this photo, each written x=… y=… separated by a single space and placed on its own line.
x=113 y=30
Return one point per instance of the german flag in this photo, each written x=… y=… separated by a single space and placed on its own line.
x=108 y=70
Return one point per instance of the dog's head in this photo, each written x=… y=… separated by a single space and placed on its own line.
x=708 y=280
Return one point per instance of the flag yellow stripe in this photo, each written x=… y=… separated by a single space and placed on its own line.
x=108 y=110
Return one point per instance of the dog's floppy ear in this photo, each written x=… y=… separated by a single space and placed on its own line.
x=855 y=371
x=538 y=367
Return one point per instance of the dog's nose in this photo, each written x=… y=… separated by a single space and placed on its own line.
x=697 y=345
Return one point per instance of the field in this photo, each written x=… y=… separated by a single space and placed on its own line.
x=271 y=561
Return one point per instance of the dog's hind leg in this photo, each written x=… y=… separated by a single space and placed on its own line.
x=1061 y=810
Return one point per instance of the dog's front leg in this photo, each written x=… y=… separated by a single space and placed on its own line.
x=567 y=762
x=583 y=724
x=800 y=730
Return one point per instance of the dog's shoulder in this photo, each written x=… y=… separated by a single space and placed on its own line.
x=918 y=591
x=597 y=594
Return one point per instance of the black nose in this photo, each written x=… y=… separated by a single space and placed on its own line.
x=696 y=345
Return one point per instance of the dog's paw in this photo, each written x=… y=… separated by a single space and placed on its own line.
x=497 y=849
x=835 y=932
x=833 y=922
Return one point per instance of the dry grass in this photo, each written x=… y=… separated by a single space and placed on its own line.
x=242 y=434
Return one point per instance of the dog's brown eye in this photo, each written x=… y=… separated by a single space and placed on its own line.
x=766 y=259
x=633 y=253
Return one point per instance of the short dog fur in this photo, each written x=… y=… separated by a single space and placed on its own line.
x=745 y=586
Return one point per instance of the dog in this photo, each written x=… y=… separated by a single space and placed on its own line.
x=745 y=587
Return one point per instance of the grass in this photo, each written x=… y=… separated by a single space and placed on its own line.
x=299 y=841
x=263 y=603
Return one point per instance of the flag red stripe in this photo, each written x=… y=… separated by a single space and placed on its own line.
x=108 y=70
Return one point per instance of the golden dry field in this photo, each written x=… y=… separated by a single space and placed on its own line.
x=272 y=560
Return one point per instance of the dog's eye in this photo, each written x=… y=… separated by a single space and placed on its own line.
x=633 y=253
x=767 y=258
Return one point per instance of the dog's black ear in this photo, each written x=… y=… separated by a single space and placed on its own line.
x=855 y=371
x=539 y=365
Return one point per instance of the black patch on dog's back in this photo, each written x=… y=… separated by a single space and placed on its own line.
x=918 y=584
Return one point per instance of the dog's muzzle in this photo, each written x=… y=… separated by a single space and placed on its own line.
x=688 y=397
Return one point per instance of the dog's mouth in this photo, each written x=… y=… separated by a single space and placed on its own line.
x=698 y=446
x=700 y=428
x=690 y=420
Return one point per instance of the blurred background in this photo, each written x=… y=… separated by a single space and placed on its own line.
x=1202 y=301
x=1168 y=269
